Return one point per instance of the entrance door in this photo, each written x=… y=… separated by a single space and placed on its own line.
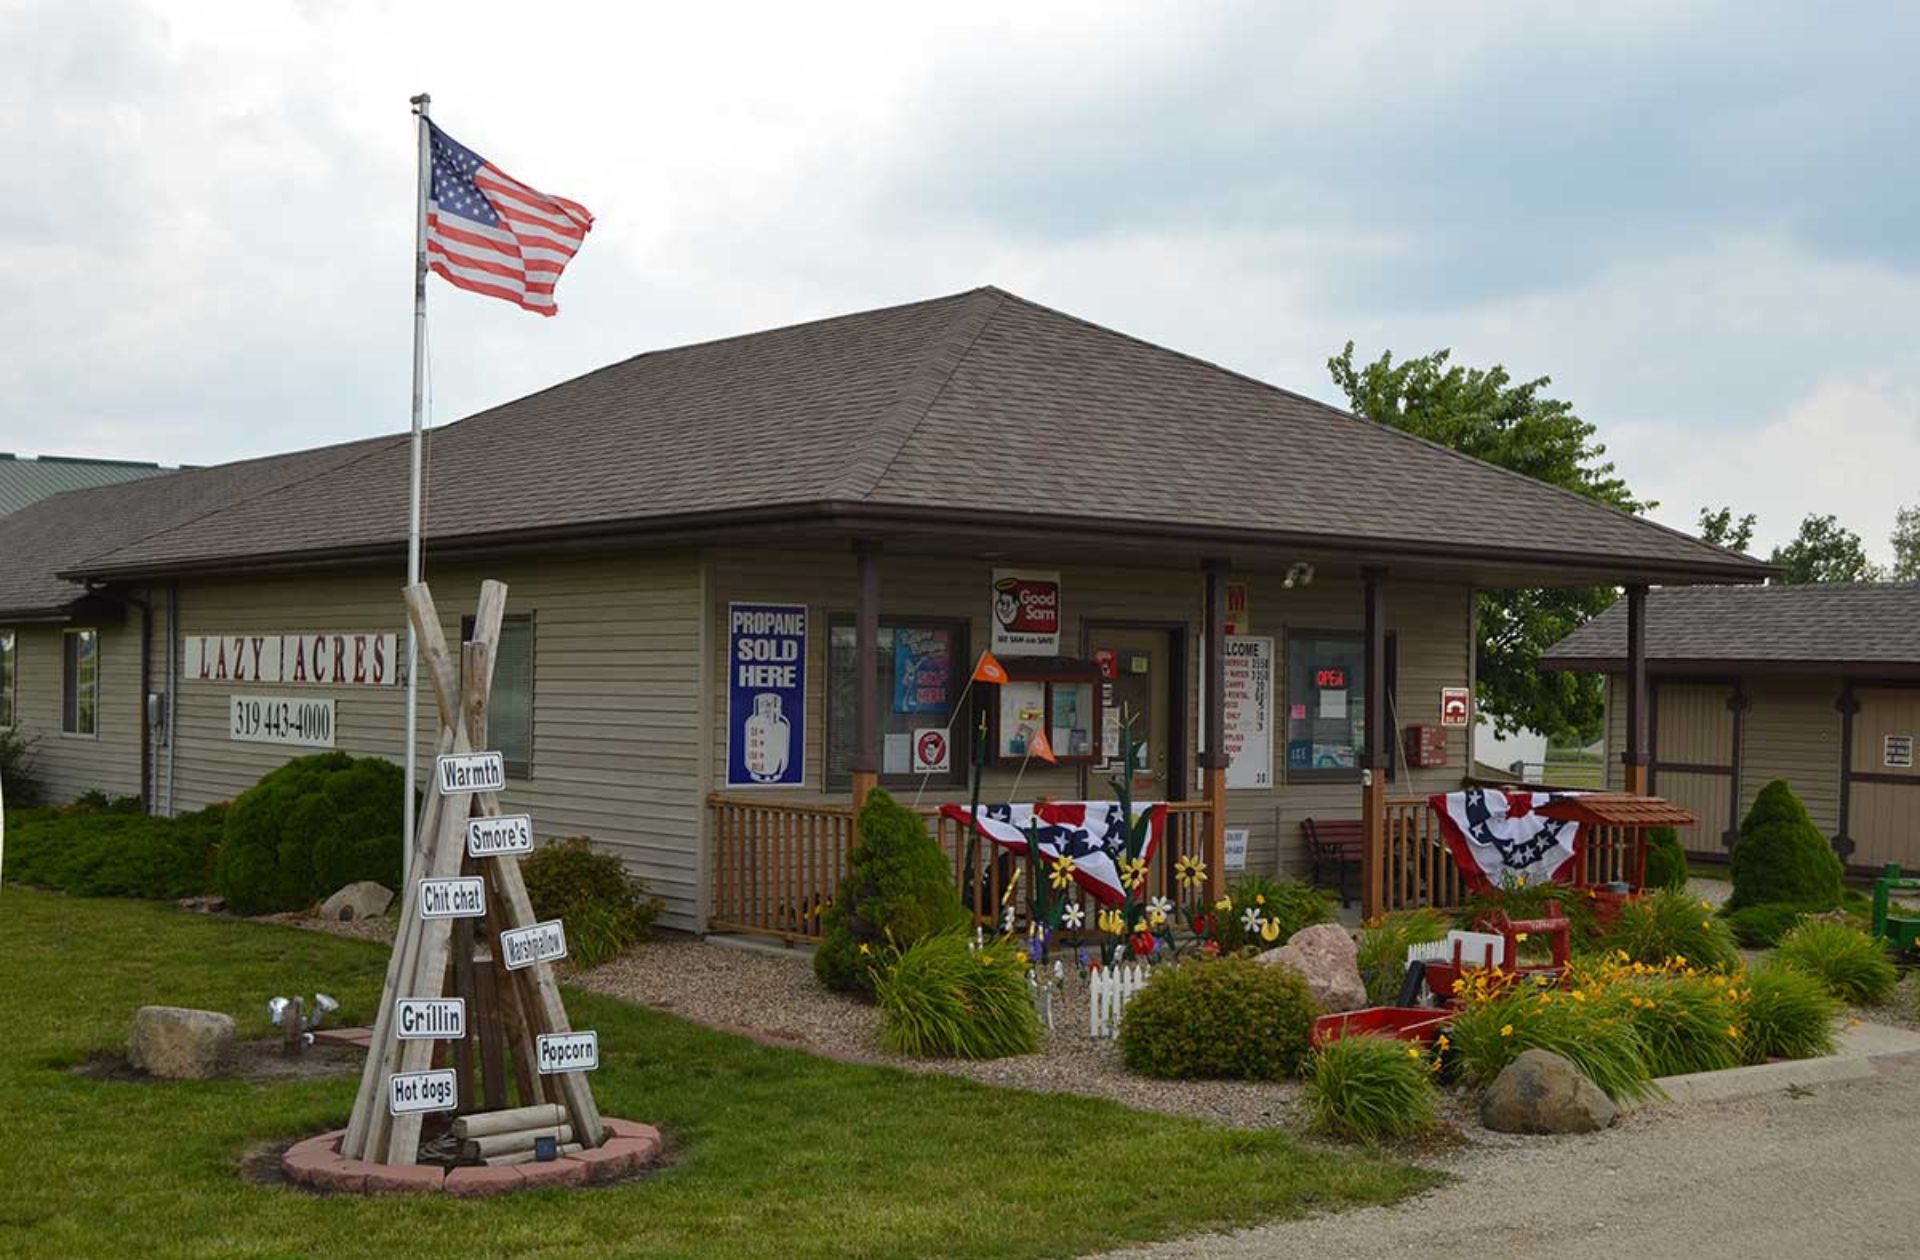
x=1145 y=664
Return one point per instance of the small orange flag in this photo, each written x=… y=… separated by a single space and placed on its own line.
x=989 y=670
x=1039 y=746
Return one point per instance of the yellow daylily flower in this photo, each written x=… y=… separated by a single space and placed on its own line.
x=1506 y=1030
x=1413 y=1052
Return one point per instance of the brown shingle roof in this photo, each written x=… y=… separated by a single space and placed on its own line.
x=1822 y=624
x=981 y=403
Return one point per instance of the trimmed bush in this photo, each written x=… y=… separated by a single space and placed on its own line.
x=1383 y=949
x=1686 y=1023
x=18 y=783
x=1781 y=855
x=1286 y=904
x=1761 y=926
x=1789 y=1015
x=1853 y=966
x=97 y=854
x=1595 y=1036
x=1666 y=860
x=1227 y=1017
x=1371 y=1089
x=308 y=828
x=606 y=909
x=898 y=891
x=1667 y=925
x=940 y=999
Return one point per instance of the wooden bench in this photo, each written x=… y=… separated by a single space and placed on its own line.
x=1335 y=842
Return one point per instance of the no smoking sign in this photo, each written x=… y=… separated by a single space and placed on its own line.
x=931 y=752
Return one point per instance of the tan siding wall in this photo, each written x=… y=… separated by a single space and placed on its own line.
x=1792 y=732
x=1432 y=623
x=1884 y=822
x=616 y=748
x=70 y=765
x=1616 y=732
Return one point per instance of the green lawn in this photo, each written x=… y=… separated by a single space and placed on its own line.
x=777 y=1154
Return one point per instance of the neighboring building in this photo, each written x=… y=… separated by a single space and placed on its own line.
x=29 y=480
x=901 y=479
x=1818 y=685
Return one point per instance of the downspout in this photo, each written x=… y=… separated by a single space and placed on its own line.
x=146 y=682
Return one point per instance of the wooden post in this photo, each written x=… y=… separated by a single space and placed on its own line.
x=1635 y=757
x=1213 y=712
x=864 y=760
x=1375 y=759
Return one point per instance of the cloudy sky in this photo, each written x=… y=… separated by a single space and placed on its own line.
x=1699 y=220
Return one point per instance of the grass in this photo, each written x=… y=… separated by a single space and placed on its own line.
x=776 y=1152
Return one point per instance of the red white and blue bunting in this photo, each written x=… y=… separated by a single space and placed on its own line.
x=1498 y=839
x=1089 y=832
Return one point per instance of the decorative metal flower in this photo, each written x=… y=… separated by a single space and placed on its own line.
x=1252 y=919
x=1063 y=868
x=1191 y=872
x=1133 y=872
x=1006 y=919
x=1270 y=930
x=1072 y=916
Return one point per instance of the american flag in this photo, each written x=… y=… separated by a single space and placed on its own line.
x=488 y=232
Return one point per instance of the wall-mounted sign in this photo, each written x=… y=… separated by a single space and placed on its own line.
x=491 y=837
x=462 y=897
x=1236 y=859
x=463 y=774
x=1455 y=704
x=317 y=659
x=280 y=720
x=1239 y=618
x=420 y=1091
x=1897 y=752
x=1248 y=715
x=430 y=1019
x=543 y=942
x=1026 y=613
x=932 y=753
x=554 y=1053
x=766 y=695
x=1335 y=678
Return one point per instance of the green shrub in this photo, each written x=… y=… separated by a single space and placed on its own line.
x=1855 y=967
x=940 y=999
x=19 y=787
x=1789 y=1015
x=898 y=891
x=1218 y=1017
x=1383 y=949
x=605 y=908
x=1761 y=926
x=1781 y=856
x=1594 y=1036
x=1672 y=925
x=115 y=854
x=1686 y=1023
x=1371 y=1089
x=308 y=828
x=1666 y=859
x=1287 y=904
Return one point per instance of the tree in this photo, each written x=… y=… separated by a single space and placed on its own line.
x=1823 y=551
x=1720 y=529
x=1515 y=425
x=1906 y=545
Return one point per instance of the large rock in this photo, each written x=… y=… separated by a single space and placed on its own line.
x=1542 y=1092
x=1327 y=957
x=181 y=1044
x=362 y=899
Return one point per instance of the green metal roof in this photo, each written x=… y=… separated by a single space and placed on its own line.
x=26 y=480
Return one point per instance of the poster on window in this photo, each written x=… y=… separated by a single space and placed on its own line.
x=1247 y=680
x=766 y=695
x=922 y=669
x=1026 y=613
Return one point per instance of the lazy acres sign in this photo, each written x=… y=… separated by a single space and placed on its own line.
x=365 y=659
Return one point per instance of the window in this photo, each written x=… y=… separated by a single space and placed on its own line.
x=921 y=671
x=80 y=683
x=9 y=668
x=1326 y=704
x=510 y=707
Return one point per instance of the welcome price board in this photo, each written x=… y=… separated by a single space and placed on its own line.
x=766 y=695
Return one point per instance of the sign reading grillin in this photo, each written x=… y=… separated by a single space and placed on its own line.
x=430 y=1019
x=462 y=897
x=462 y=774
x=491 y=837
x=543 y=942
x=567 y=1052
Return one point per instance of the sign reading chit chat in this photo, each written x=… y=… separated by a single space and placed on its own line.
x=430 y=1019
x=462 y=774
x=492 y=837
x=554 y=1053
x=461 y=897
x=408 y=1092
x=1455 y=705
x=543 y=942
x=1026 y=612
x=766 y=695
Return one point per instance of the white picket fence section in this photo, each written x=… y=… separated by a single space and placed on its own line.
x=1109 y=989
x=1477 y=949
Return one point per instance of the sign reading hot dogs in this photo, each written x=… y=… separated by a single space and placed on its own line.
x=1026 y=612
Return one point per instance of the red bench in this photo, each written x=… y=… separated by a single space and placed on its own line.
x=1335 y=842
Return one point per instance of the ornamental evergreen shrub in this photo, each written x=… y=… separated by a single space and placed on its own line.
x=1854 y=966
x=606 y=910
x=1789 y=1015
x=941 y=999
x=1383 y=946
x=1666 y=859
x=1669 y=925
x=1226 y=1017
x=308 y=828
x=898 y=891
x=1371 y=1089
x=1781 y=856
x=1285 y=906
x=114 y=854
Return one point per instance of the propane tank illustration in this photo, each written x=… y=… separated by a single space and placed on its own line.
x=769 y=739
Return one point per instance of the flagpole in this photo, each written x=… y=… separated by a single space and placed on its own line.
x=422 y=180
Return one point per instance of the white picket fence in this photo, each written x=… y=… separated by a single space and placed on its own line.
x=1109 y=989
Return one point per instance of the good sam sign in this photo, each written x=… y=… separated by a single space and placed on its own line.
x=1026 y=612
x=766 y=695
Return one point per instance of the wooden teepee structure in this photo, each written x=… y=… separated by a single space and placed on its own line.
x=509 y=1000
